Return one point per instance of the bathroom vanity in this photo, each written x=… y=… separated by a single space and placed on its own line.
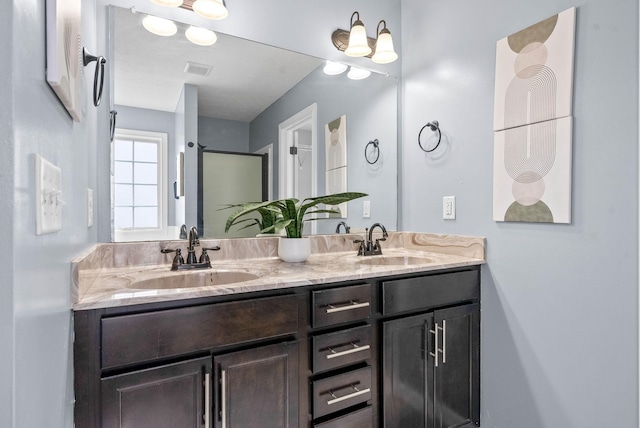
x=339 y=341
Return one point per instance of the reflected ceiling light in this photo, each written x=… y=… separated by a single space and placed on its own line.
x=168 y=3
x=358 y=44
x=210 y=9
x=356 y=73
x=200 y=36
x=334 y=68
x=159 y=26
x=384 y=53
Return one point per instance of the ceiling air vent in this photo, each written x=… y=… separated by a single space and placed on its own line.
x=195 y=68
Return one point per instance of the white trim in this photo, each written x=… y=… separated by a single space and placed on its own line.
x=638 y=266
x=285 y=140
x=268 y=150
x=161 y=232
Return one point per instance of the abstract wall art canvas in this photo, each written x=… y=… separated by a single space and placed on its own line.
x=533 y=122
x=336 y=161
x=64 y=53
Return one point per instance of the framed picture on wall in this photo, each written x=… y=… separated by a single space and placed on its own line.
x=64 y=53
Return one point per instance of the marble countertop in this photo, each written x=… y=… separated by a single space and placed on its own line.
x=107 y=277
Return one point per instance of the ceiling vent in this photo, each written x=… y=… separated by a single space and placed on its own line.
x=195 y=68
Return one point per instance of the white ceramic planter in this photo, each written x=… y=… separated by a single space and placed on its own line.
x=294 y=250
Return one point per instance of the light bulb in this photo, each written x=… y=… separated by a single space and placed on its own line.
x=210 y=9
x=334 y=68
x=356 y=73
x=159 y=26
x=168 y=3
x=200 y=36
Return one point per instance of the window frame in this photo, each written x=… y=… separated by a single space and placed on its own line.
x=144 y=233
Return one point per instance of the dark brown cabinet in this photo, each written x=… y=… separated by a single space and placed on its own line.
x=258 y=387
x=398 y=351
x=431 y=366
x=170 y=396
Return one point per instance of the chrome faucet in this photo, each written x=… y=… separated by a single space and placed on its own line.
x=367 y=246
x=192 y=262
x=347 y=229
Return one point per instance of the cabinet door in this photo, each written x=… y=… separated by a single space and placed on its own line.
x=457 y=375
x=170 y=396
x=406 y=373
x=258 y=388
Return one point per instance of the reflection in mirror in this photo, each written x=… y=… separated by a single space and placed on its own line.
x=233 y=97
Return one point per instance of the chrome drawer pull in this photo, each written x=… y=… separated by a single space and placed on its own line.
x=355 y=349
x=437 y=349
x=348 y=396
x=223 y=406
x=352 y=305
x=207 y=399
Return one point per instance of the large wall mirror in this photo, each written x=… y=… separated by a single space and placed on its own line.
x=232 y=98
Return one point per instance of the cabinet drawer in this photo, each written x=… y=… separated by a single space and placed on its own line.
x=131 y=339
x=341 y=348
x=342 y=304
x=425 y=292
x=341 y=391
x=362 y=418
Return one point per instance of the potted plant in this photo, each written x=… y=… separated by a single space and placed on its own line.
x=290 y=216
x=265 y=221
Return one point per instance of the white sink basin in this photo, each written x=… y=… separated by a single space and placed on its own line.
x=394 y=260
x=191 y=279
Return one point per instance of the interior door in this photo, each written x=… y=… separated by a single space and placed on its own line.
x=228 y=178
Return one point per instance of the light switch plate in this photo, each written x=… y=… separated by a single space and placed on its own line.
x=48 y=197
x=449 y=207
x=366 y=209
x=89 y=207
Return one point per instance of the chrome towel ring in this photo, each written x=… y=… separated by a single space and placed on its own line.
x=435 y=127
x=98 y=75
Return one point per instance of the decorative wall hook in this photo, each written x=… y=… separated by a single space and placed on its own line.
x=99 y=74
x=376 y=146
x=435 y=127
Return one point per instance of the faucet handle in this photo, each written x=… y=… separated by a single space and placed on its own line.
x=204 y=257
x=177 y=260
x=361 y=247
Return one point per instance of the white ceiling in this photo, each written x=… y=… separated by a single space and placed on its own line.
x=246 y=77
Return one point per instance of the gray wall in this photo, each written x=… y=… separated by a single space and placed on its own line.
x=223 y=135
x=35 y=292
x=370 y=107
x=559 y=302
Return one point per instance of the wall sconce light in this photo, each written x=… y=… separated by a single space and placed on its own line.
x=356 y=73
x=200 y=36
x=355 y=42
x=384 y=53
x=334 y=68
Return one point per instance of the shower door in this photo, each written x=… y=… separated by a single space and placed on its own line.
x=228 y=178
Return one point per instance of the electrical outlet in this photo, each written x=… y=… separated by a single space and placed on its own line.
x=449 y=207
x=89 y=207
x=366 y=209
x=48 y=197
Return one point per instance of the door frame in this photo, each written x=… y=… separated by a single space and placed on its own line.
x=286 y=131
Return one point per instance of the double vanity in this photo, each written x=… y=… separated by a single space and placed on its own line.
x=342 y=340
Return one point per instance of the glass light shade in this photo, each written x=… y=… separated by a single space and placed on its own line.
x=334 y=68
x=210 y=9
x=159 y=26
x=168 y=3
x=358 y=45
x=384 y=49
x=356 y=73
x=200 y=36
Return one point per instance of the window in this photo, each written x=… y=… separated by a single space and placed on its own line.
x=139 y=174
